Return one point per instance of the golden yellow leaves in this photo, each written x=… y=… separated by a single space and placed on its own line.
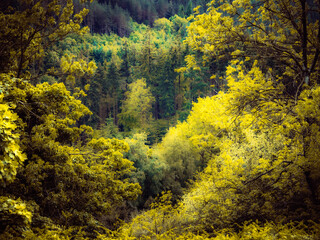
x=15 y=210
x=11 y=157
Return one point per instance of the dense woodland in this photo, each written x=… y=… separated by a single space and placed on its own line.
x=115 y=16
x=143 y=119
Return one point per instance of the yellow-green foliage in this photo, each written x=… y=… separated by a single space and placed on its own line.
x=163 y=24
x=270 y=231
x=149 y=170
x=266 y=133
x=258 y=141
x=15 y=217
x=136 y=109
x=56 y=180
x=140 y=229
x=156 y=223
x=76 y=69
x=182 y=159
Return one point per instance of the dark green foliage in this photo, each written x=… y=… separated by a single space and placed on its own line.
x=115 y=16
x=149 y=169
x=99 y=55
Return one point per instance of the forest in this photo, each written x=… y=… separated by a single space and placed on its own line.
x=159 y=119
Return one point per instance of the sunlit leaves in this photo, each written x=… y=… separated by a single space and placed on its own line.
x=266 y=30
x=11 y=155
x=158 y=222
x=15 y=216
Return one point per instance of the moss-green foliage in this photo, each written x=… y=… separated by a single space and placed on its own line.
x=149 y=170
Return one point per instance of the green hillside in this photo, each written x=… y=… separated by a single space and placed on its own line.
x=143 y=119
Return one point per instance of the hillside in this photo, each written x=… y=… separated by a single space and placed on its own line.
x=146 y=120
x=116 y=16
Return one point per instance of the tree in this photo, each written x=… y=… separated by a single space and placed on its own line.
x=170 y=11
x=11 y=154
x=181 y=158
x=32 y=26
x=189 y=8
x=147 y=56
x=279 y=37
x=125 y=64
x=113 y=87
x=283 y=35
x=136 y=109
